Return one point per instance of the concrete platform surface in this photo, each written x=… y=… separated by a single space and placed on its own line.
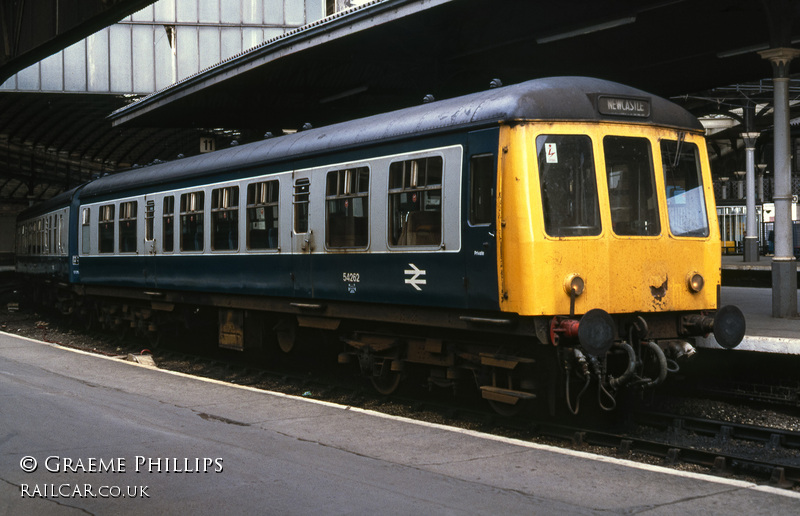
x=764 y=333
x=84 y=434
x=736 y=262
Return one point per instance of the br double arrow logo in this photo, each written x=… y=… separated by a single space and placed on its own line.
x=415 y=274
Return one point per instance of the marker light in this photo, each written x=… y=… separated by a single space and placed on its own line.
x=696 y=282
x=574 y=284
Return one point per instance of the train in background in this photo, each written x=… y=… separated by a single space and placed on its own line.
x=533 y=241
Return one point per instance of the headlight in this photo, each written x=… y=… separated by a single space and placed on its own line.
x=696 y=282
x=574 y=283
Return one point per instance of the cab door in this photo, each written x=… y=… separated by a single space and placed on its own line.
x=480 y=243
x=303 y=245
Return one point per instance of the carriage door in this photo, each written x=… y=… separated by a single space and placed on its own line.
x=480 y=243
x=303 y=245
x=149 y=251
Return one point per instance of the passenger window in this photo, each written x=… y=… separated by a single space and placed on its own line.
x=168 y=225
x=415 y=202
x=262 y=215
x=225 y=219
x=481 y=190
x=301 y=200
x=127 y=227
x=192 y=221
x=105 y=230
x=570 y=205
x=347 y=208
x=631 y=186
x=686 y=202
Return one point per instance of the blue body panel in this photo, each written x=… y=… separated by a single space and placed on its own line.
x=366 y=278
x=52 y=267
x=465 y=278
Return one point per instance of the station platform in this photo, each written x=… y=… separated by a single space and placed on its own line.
x=739 y=273
x=748 y=286
x=83 y=433
x=736 y=263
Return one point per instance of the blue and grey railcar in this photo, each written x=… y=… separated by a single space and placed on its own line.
x=478 y=239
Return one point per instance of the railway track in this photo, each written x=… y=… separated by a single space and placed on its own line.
x=765 y=378
x=701 y=442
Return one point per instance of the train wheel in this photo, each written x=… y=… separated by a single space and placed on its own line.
x=386 y=373
x=511 y=391
x=153 y=332
x=286 y=333
x=154 y=339
x=121 y=331
x=90 y=321
x=387 y=383
x=506 y=410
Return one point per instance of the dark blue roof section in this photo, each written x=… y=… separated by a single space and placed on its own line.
x=54 y=203
x=558 y=98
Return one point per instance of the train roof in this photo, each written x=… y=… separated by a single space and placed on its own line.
x=551 y=99
x=56 y=202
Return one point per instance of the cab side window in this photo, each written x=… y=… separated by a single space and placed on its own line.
x=481 y=190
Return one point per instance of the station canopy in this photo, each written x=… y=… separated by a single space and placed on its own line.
x=389 y=54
